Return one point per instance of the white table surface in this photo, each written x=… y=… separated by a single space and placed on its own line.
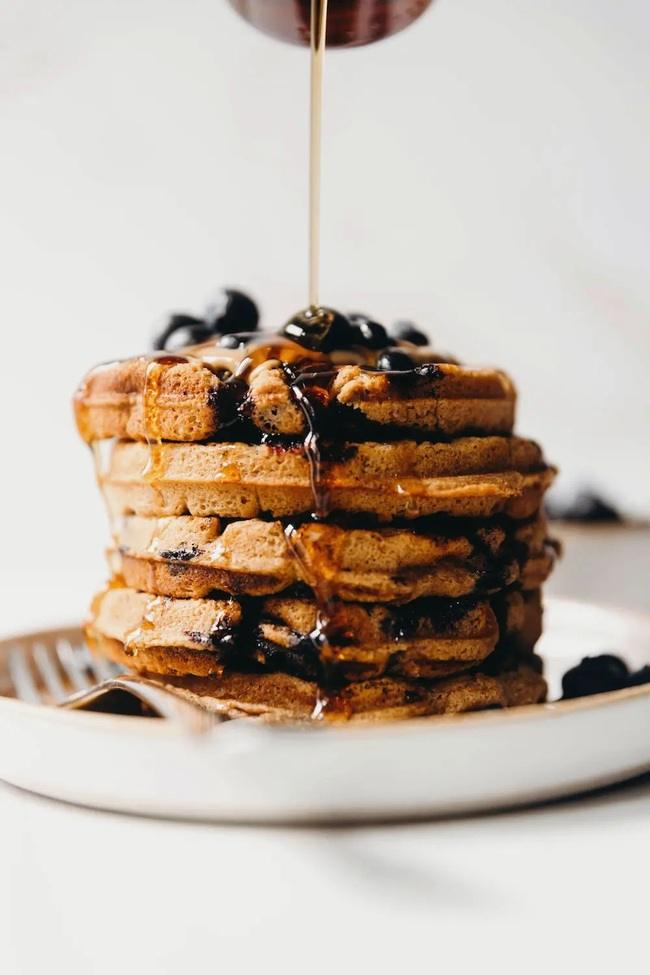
x=565 y=884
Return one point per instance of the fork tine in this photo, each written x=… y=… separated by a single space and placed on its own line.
x=47 y=669
x=43 y=674
x=108 y=669
x=115 y=669
x=72 y=663
x=21 y=677
x=100 y=669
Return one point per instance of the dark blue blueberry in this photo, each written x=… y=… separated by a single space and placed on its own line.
x=395 y=361
x=181 y=330
x=595 y=675
x=428 y=371
x=641 y=676
x=321 y=329
x=341 y=334
x=409 y=332
x=371 y=334
x=586 y=506
x=180 y=554
x=232 y=311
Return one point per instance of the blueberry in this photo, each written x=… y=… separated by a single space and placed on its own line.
x=408 y=332
x=232 y=311
x=594 y=675
x=395 y=361
x=641 y=676
x=185 y=330
x=233 y=340
x=320 y=329
x=371 y=334
x=586 y=506
x=428 y=371
x=341 y=334
x=180 y=554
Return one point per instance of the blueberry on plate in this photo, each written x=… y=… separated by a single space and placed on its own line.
x=181 y=330
x=595 y=675
x=641 y=676
x=231 y=311
x=371 y=334
x=409 y=332
x=586 y=506
x=395 y=361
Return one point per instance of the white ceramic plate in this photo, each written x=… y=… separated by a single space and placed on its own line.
x=246 y=772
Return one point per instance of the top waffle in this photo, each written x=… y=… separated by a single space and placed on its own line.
x=213 y=392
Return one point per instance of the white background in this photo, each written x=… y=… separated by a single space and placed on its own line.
x=486 y=173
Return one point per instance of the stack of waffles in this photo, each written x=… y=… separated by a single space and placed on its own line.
x=312 y=528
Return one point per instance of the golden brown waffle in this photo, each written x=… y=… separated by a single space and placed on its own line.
x=519 y=615
x=281 y=697
x=189 y=557
x=471 y=476
x=199 y=637
x=190 y=399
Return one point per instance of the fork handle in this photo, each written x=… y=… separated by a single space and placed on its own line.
x=164 y=702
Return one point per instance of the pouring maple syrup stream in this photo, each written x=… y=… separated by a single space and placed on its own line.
x=318 y=36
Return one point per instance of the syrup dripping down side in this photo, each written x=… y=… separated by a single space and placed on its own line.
x=310 y=391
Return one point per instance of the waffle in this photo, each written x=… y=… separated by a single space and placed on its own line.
x=196 y=398
x=425 y=639
x=189 y=557
x=471 y=477
x=282 y=697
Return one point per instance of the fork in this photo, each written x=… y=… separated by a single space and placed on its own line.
x=67 y=675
